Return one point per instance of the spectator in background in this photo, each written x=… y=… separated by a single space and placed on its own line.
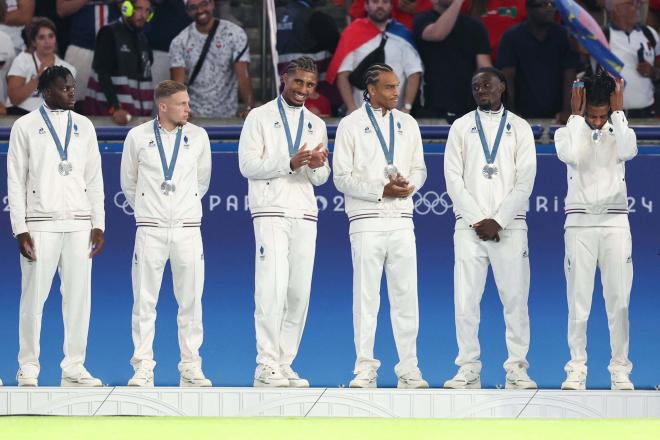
x=539 y=64
x=497 y=16
x=213 y=78
x=304 y=31
x=403 y=11
x=86 y=18
x=637 y=47
x=7 y=54
x=452 y=47
x=170 y=18
x=371 y=40
x=19 y=15
x=120 y=83
x=23 y=75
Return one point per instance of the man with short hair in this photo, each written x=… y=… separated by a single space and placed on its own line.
x=539 y=64
x=595 y=146
x=490 y=165
x=375 y=39
x=120 y=84
x=638 y=47
x=378 y=165
x=215 y=79
x=55 y=189
x=165 y=172
x=283 y=154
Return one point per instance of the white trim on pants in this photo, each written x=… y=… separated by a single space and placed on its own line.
x=610 y=248
x=395 y=251
x=284 y=262
x=68 y=253
x=153 y=248
x=81 y=59
x=509 y=259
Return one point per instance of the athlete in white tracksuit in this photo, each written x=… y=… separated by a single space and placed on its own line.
x=490 y=200
x=380 y=212
x=56 y=210
x=168 y=215
x=282 y=172
x=597 y=232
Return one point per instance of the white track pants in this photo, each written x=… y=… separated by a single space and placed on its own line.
x=510 y=263
x=183 y=248
x=67 y=253
x=284 y=262
x=611 y=250
x=81 y=59
x=396 y=252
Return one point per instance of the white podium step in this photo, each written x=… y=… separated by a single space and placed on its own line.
x=329 y=402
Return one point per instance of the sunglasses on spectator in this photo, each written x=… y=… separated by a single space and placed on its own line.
x=545 y=4
x=201 y=5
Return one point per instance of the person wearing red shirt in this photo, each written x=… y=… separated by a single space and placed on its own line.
x=402 y=10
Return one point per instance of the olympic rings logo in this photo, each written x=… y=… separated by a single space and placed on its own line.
x=431 y=202
x=122 y=203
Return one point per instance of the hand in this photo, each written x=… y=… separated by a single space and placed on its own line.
x=616 y=98
x=301 y=158
x=26 y=246
x=578 y=98
x=398 y=188
x=562 y=117
x=97 y=240
x=487 y=229
x=319 y=156
x=121 y=117
x=646 y=70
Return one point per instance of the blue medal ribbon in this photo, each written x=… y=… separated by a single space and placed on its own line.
x=63 y=151
x=168 y=171
x=490 y=155
x=293 y=147
x=388 y=152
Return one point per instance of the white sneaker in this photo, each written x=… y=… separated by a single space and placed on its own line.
x=464 y=379
x=82 y=379
x=267 y=376
x=575 y=380
x=517 y=379
x=0 y=382
x=194 y=377
x=295 y=381
x=621 y=381
x=27 y=378
x=142 y=378
x=364 y=379
x=412 y=380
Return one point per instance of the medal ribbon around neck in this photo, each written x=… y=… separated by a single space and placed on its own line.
x=293 y=147
x=63 y=151
x=388 y=152
x=168 y=171
x=490 y=155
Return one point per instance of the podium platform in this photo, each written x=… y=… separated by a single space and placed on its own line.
x=328 y=402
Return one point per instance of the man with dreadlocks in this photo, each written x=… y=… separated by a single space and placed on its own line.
x=595 y=144
x=55 y=188
x=378 y=165
x=283 y=153
x=490 y=166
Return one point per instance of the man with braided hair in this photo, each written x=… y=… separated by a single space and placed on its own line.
x=378 y=165
x=283 y=153
x=595 y=144
x=490 y=166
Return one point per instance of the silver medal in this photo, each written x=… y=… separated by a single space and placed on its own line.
x=596 y=135
x=391 y=171
x=167 y=187
x=64 y=168
x=489 y=171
